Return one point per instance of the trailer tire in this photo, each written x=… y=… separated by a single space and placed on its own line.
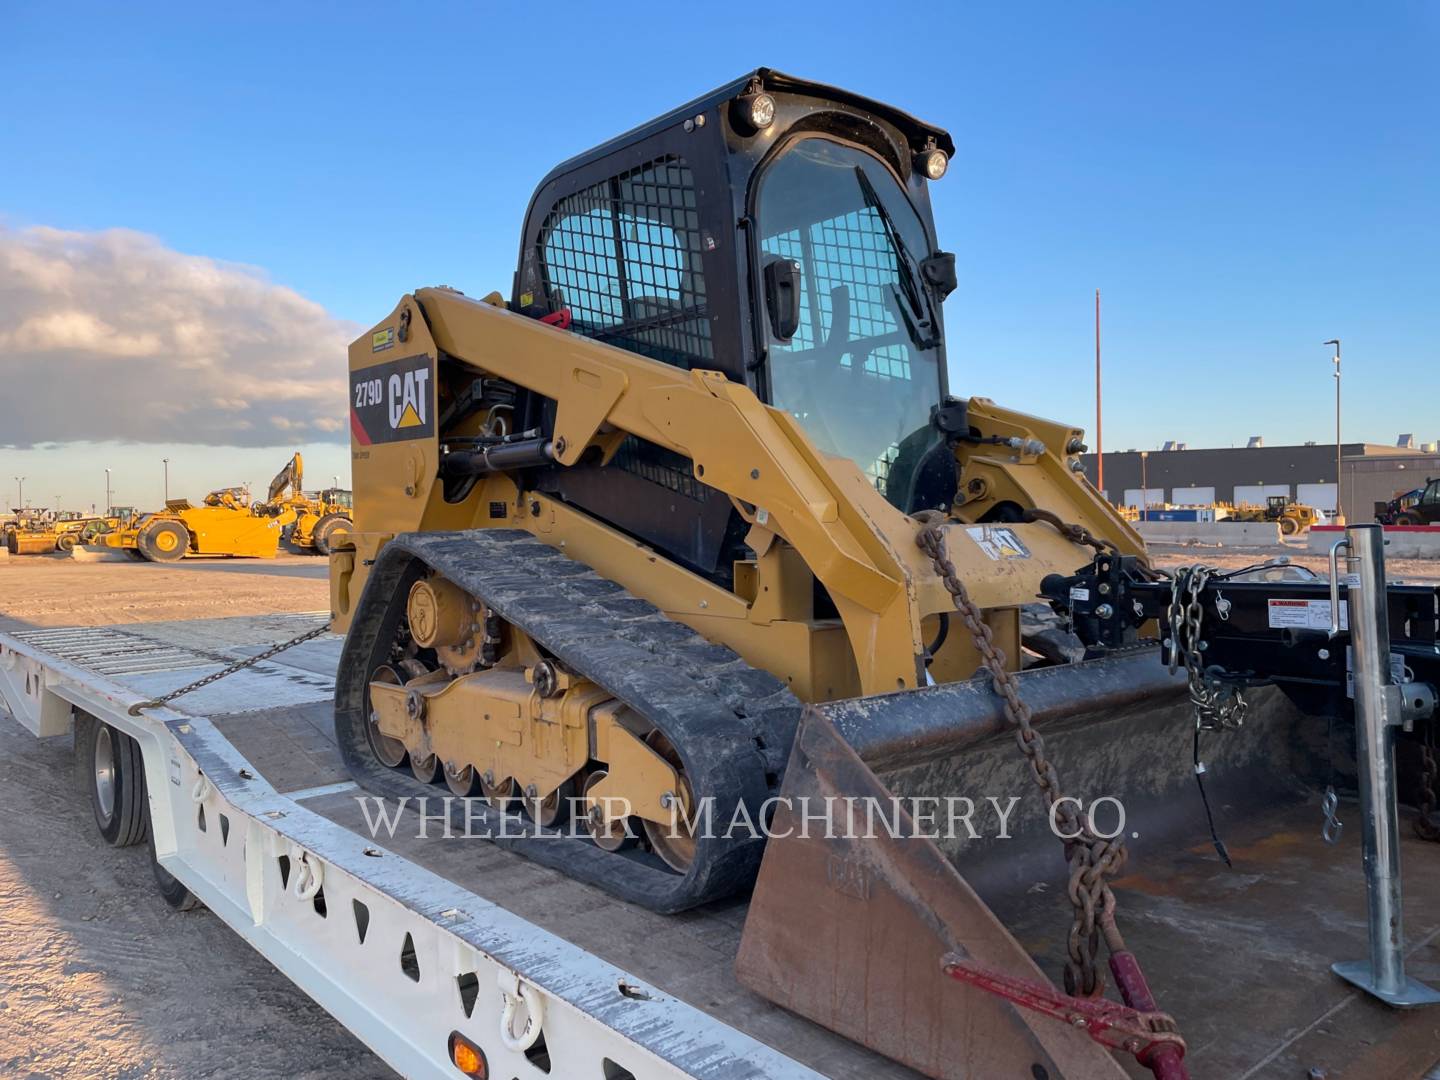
x=112 y=770
x=326 y=528
x=176 y=895
x=65 y=543
x=164 y=541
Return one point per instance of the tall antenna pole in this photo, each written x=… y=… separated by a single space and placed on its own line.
x=1099 y=430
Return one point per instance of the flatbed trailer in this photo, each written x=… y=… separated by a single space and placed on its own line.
x=404 y=939
x=408 y=938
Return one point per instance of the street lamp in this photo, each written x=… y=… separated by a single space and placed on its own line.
x=166 y=463
x=1144 y=487
x=20 y=495
x=1339 y=504
x=107 y=492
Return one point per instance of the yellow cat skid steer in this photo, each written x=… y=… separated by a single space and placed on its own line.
x=689 y=533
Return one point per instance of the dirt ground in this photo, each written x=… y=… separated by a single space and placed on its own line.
x=54 y=590
x=98 y=977
x=1166 y=556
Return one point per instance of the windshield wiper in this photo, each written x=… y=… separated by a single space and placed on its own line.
x=910 y=286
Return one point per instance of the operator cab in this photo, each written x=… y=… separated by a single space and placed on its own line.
x=778 y=231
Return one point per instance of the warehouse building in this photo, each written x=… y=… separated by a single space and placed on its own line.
x=1250 y=474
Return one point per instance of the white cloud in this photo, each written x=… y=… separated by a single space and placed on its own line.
x=113 y=336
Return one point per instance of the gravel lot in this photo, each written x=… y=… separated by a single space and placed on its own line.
x=98 y=977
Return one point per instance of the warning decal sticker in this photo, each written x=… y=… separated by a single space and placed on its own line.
x=998 y=542
x=1305 y=614
x=393 y=401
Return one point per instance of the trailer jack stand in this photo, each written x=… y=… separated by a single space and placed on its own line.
x=1380 y=706
x=1149 y=1036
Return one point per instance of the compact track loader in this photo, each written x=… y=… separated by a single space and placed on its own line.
x=684 y=558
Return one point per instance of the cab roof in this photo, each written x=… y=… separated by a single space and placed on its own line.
x=772 y=81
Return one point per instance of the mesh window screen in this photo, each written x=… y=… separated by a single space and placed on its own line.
x=854 y=251
x=624 y=257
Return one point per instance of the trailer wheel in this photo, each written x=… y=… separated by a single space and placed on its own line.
x=65 y=543
x=111 y=769
x=171 y=888
x=324 y=529
x=164 y=541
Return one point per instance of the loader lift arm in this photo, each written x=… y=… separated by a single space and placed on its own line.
x=859 y=546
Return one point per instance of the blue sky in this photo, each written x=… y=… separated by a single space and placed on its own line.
x=1241 y=180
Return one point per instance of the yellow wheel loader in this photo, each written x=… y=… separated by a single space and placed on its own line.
x=318 y=519
x=41 y=532
x=225 y=524
x=1293 y=518
x=31 y=531
x=682 y=565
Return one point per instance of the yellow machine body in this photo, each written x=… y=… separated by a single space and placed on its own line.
x=317 y=517
x=224 y=525
x=812 y=517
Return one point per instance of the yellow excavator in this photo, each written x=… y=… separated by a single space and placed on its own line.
x=317 y=518
x=688 y=534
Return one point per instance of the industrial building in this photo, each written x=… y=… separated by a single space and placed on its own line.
x=1250 y=474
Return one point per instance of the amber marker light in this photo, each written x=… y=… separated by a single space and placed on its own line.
x=468 y=1057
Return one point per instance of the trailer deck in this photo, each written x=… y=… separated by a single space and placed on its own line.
x=409 y=936
x=412 y=935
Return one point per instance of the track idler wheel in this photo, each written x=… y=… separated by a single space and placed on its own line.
x=463 y=783
x=614 y=836
x=553 y=810
x=501 y=794
x=674 y=843
x=388 y=751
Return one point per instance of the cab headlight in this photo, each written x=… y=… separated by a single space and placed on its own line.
x=754 y=112
x=932 y=162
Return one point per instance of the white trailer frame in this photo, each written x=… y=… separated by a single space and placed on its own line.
x=393 y=976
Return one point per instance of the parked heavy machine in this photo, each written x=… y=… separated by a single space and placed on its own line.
x=689 y=533
x=225 y=524
x=40 y=532
x=318 y=517
x=1292 y=517
x=1418 y=507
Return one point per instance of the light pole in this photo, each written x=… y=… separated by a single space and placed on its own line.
x=107 y=492
x=166 y=462
x=1144 y=486
x=20 y=495
x=1099 y=431
x=1339 y=504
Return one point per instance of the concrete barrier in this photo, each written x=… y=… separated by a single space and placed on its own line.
x=1217 y=533
x=1401 y=541
x=81 y=553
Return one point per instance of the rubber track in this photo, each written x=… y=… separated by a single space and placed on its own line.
x=732 y=724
